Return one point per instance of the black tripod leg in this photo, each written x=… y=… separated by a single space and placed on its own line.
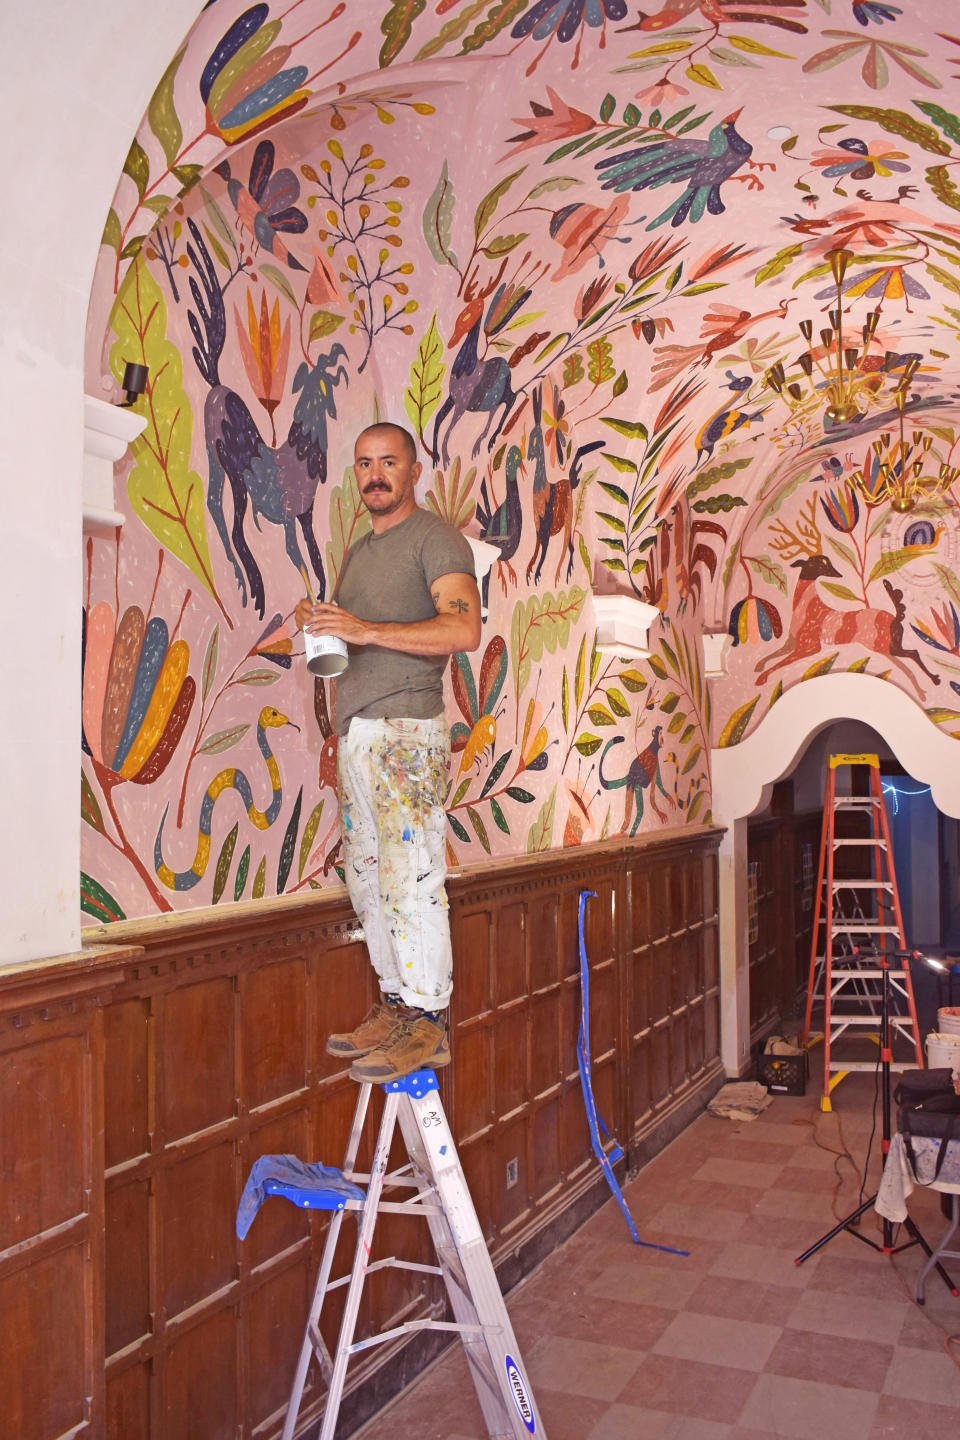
x=836 y=1231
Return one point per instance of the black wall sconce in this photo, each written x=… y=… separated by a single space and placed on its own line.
x=134 y=382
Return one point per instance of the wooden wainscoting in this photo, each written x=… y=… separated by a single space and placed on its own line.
x=140 y=1081
x=782 y=919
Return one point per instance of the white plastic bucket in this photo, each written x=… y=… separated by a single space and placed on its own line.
x=943 y=1051
x=948 y=1020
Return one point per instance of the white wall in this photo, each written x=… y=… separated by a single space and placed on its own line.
x=74 y=82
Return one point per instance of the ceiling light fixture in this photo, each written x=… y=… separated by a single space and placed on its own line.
x=893 y=468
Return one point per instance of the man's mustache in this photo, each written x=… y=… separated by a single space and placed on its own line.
x=375 y=485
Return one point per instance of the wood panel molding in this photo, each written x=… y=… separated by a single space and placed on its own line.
x=153 y=1069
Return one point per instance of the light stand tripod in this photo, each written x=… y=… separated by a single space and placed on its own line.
x=883 y=960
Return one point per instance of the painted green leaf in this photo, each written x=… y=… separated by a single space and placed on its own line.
x=541 y=831
x=112 y=231
x=277 y=278
x=658 y=667
x=498 y=18
x=677 y=723
x=488 y=205
x=243 y=870
x=516 y=792
x=260 y=880
x=733 y=732
x=579 y=672
x=323 y=322
x=820 y=667
x=587 y=744
x=224 y=861
x=438 y=218
x=98 y=902
x=896 y=122
x=842 y=592
x=565 y=699
x=349 y=519
x=309 y=835
x=499 y=819
x=541 y=623
x=90 y=812
x=691 y=760
x=210 y=663
x=940 y=716
x=289 y=843
x=617 y=702
x=553 y=182
x=166 y=494
x=670 y=702
x=607 y=107
x=695 y=804
x=600 y=715
x=223 y=740
x=137 y=166
x=427 y=369
x=461 y=789
x=503 y=244
x=947 y=121
x=453 y=29
x=162 y=114
x=632 y=429
x=479 y=828
x=671 y=657
x=396 y=27
x=259 y=677
x=495 y=773
x=458 y=829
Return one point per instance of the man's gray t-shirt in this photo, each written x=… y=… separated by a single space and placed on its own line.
x=389 y=577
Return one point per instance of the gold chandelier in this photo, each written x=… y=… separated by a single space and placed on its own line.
x=851 y=384
x=894 y=471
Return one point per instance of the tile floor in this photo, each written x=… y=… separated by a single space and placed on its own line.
x=734 y=1342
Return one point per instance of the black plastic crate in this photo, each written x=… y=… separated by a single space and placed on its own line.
x=783 y=1074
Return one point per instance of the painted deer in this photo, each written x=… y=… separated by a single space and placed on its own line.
x=814 y=625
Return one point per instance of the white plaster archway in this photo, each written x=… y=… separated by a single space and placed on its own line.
x=68 y=138
x=743 y=775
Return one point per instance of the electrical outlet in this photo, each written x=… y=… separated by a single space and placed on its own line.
x=512 y=1173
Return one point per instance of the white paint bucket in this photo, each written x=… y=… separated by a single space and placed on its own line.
x=326 y=654
x=948 y=1020
x=943 y=1051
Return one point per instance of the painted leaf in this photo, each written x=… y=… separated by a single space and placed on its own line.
x=617 y=702
x=940 y=716
x=166 y=494
x=488 y=205
x=842 y=592
x=695 y=804
x=162 y=113
x=277 y=278
x=458 y=829
x=289 y=843
x=516 y=792
x=453 y=29
x=98 y=902
x=396 y=27
x=137 y=166
x=542 y=623
x=112 y=231
x=349 y=519
x=579 y=672
x=896 y=122
x=600 y=366
x=462 y=788
x=703 y=75
x=820 y=667
x=222 y=740
x=90 y=812
x=224 y=861
x=210 y=663
x=243 y=870
x=587 y=744
x=260 y=880
x=427 y=369
x=479 y=828
x=691 y=760
x=323 y=322
x=495 y=773
x=600 y=715
x=540 y=834
x=499 y=819
x=670 y=702
x=947 y=121
x=733 y=732
x=498 y=18
x=633 y=681
x=565 y=699
x=258 y=677
x=309 y=835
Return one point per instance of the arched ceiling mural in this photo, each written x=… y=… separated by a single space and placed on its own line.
x=566 y=242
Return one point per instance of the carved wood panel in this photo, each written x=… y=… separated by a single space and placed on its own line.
x=207 y=1052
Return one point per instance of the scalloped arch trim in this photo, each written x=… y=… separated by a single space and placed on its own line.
x=742 y=773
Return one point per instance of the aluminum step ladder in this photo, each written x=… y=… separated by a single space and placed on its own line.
x=440 y=1196
x=860 y=915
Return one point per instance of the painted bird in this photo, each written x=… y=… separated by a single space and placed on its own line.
x=726 y=419
x=503 y=526
x=701 y=166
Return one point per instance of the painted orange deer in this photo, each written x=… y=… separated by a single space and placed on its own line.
x=815 y=625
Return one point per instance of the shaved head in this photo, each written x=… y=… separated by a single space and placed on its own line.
x=404 y=437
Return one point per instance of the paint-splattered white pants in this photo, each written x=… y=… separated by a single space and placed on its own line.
x=392 y=777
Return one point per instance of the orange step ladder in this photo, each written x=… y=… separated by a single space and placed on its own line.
x=860 y=915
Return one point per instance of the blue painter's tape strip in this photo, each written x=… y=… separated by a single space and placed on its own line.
x=594 y=1118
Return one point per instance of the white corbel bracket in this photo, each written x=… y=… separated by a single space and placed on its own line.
x=716 y=648
x=623 y=625
x=107 y=431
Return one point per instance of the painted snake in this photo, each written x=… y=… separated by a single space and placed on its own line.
x=228 y=779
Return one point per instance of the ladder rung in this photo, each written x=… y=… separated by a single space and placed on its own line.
x=844 y=1065
x=864 y=927
x=863 y=884
x=851 y=802
x=865 y=974
x=872 y=840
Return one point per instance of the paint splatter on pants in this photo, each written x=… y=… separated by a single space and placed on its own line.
x=392 y=777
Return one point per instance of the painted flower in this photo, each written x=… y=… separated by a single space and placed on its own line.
x=855 y=158
x=564 y=18
x=265 y=349
x=942 y=630
x=842 y=508
x=874 y=70
x=883 y=282
x=275 y=644
x=583 y=230
x=663 y=93
x=267 y=205
x=551 y=126
x=753 y=620
x=589 y=298
x=243 y=85
x=866 y=10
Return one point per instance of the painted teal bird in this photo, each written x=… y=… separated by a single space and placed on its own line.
x=701 y=166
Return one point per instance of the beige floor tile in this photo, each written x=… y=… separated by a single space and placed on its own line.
x=580 y=1367
x=807 y=1410
x=928 y=1375
x=855 y=1316
x=630 y=1422
x=745 y=1344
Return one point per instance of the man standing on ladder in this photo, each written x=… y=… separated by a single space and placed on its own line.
x=405 y=601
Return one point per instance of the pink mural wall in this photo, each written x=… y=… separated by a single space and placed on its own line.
x=507 y=227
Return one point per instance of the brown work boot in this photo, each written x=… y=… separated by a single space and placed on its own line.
x=374 y=1030
x=413 y=1045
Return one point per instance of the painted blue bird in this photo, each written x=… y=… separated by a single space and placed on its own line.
x=701 y=166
